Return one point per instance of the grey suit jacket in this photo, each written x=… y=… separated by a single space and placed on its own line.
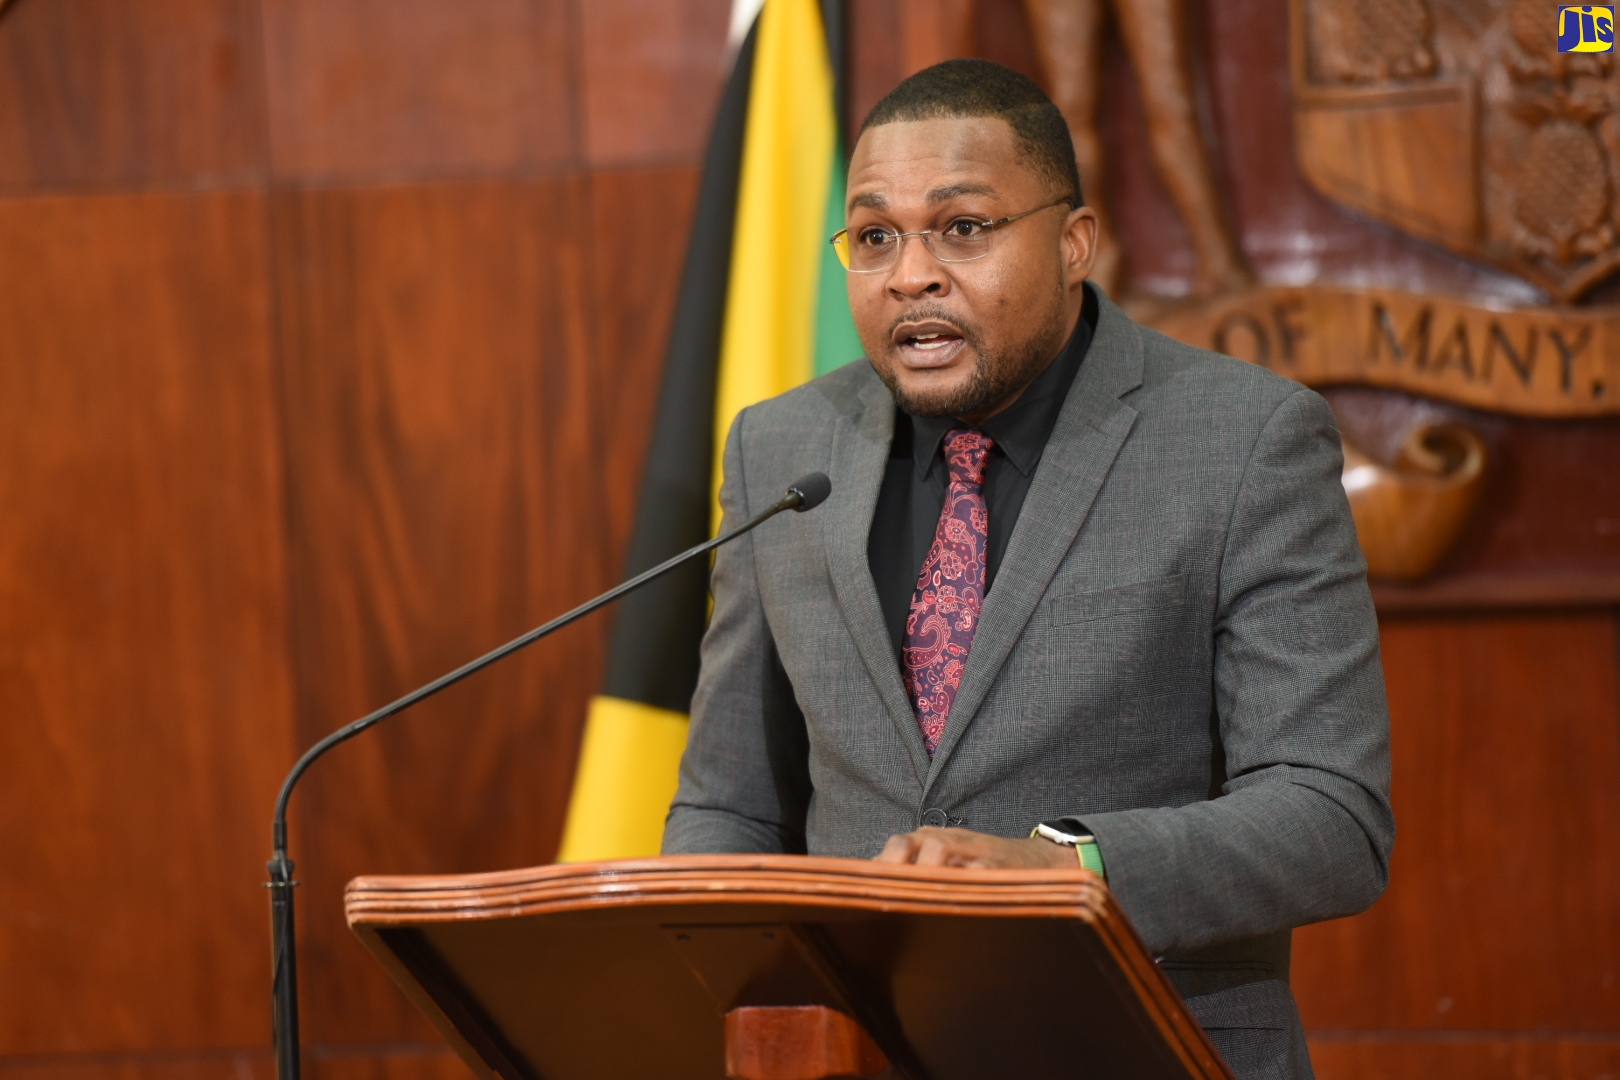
x=1179 y=649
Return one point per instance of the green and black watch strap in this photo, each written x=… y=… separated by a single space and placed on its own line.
x=1071 y=833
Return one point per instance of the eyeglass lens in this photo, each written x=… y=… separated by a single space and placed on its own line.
x=877 y=249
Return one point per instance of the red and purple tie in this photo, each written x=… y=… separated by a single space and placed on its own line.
x=950 y=590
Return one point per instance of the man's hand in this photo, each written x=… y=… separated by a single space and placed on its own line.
x=933 y=846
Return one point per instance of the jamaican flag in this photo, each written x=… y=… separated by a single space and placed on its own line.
x=762 y=308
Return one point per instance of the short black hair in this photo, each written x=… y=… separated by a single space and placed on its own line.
x=985 y=88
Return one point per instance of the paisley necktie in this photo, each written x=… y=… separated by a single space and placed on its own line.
x=950 y=590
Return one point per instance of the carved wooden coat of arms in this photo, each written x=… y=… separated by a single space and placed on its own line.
x=1457 y=121
x=1461 y=122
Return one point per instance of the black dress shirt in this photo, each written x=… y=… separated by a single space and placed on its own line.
x=916 y=479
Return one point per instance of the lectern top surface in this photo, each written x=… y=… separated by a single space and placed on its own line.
x=627 y=969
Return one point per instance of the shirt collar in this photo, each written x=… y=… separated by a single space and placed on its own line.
x=1021 y=429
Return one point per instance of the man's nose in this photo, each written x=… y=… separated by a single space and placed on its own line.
x=916 y=272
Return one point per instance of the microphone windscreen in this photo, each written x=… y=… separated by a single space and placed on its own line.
x=813 y=490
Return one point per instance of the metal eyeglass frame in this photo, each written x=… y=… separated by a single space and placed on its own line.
x=845 y=254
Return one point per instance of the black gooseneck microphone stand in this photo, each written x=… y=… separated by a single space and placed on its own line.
x=806 y=493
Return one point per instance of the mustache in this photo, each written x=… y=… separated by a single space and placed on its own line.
x=933 y=313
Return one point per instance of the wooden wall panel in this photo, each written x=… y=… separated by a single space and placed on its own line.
x=182 y=1065
x=424 y=1062
x=1001 y=32
x=876 y=64
x=144 y=678
x=930 y=31
x=446 y=496
x=651 y=79
x=380 y=88
x=638 y=242
x=397 y=1061
x=891 y=39
x=1468 y=1059
x=1503 y=911
x=121 y=92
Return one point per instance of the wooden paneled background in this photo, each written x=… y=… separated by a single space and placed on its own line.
x=329 y=335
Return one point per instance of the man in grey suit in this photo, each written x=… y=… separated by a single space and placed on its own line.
x=1072 y=575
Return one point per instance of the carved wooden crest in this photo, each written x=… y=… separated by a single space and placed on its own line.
x=1459 y=121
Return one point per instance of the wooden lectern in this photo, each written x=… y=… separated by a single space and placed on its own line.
x=781 y=968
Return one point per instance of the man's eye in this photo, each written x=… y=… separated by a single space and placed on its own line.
x=964 y=229
x=876 y=237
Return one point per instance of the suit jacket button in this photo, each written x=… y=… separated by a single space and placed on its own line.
x=936 y=817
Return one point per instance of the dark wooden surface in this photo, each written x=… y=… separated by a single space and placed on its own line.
x=329 y=332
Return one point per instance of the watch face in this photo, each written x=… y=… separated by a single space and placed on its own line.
x=1063 y=832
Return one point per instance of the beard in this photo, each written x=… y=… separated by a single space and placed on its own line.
x=996 y=374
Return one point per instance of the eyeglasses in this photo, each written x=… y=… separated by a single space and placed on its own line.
x=963 y=240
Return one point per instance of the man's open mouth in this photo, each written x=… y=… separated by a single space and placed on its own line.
x=926 y=344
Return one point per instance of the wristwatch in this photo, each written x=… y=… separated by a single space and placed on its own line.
x=1070 y=832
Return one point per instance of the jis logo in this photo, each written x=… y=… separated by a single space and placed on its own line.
x=1586 y=29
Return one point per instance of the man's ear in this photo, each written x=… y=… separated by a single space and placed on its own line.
x=1079 y=245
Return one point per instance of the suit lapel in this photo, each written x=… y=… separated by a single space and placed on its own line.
x=1089 y=432
x=860 y=453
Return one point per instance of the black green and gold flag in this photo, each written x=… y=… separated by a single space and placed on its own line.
x=762 y=308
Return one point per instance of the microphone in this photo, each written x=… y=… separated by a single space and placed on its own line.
x=812 y=491
x=805 y=493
